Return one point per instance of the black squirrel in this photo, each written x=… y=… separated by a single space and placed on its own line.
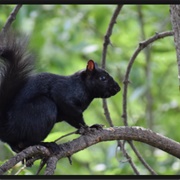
x=30 y=104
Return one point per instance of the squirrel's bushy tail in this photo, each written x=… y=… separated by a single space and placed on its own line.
x=16 y=64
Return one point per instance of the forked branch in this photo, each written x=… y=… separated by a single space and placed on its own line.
x=116 y=133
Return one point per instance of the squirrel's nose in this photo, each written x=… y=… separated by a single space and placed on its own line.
x=117 y=88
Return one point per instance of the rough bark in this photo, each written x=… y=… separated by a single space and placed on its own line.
x=114 y=133
x=175 y=21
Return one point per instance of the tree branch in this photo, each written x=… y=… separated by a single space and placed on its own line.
x=149 y=101
x=105 y=105
x=121 y=133
x=28 y=152
x=108 y=34
x=141 y=46
x=51 y=165
x=11 y=18
x=109 y=134
x=175 y=21
x=104 y=52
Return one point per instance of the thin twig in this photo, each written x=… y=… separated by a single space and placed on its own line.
x=74 y=132
x=11 y=18
x=21 y=169
x=108 y=34
x=107 y=113
x=105 y=106
x=141 y=46
x=175 y=21
x=42 y=164
x=128 y=158
x=104 y=52
x=142 y=159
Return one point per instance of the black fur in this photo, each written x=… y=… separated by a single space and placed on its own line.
x=30 y=104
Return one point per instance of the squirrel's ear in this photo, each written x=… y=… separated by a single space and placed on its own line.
x=90 y=65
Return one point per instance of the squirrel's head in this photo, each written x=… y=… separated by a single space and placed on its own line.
x=99 y=82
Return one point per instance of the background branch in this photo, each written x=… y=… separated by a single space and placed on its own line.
x=148 y=92
x=141 y=46
x=108 y=34
x=11 y=18
x=105 y=105
x=104 y=52
x=175 y=21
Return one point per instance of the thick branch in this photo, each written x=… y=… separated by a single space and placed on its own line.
x=122 y=133
x=29 y=152
x=117 y=133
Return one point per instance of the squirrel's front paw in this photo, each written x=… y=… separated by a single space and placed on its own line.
x=83 y=130
x=97 y=126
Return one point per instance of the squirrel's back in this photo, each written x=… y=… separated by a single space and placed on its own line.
x=16 y=64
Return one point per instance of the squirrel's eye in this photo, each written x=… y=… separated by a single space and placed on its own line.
x=102 y=78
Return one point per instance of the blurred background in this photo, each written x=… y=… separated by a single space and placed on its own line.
x=64 y=37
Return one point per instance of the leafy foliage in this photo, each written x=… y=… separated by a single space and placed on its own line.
x=64 y=37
